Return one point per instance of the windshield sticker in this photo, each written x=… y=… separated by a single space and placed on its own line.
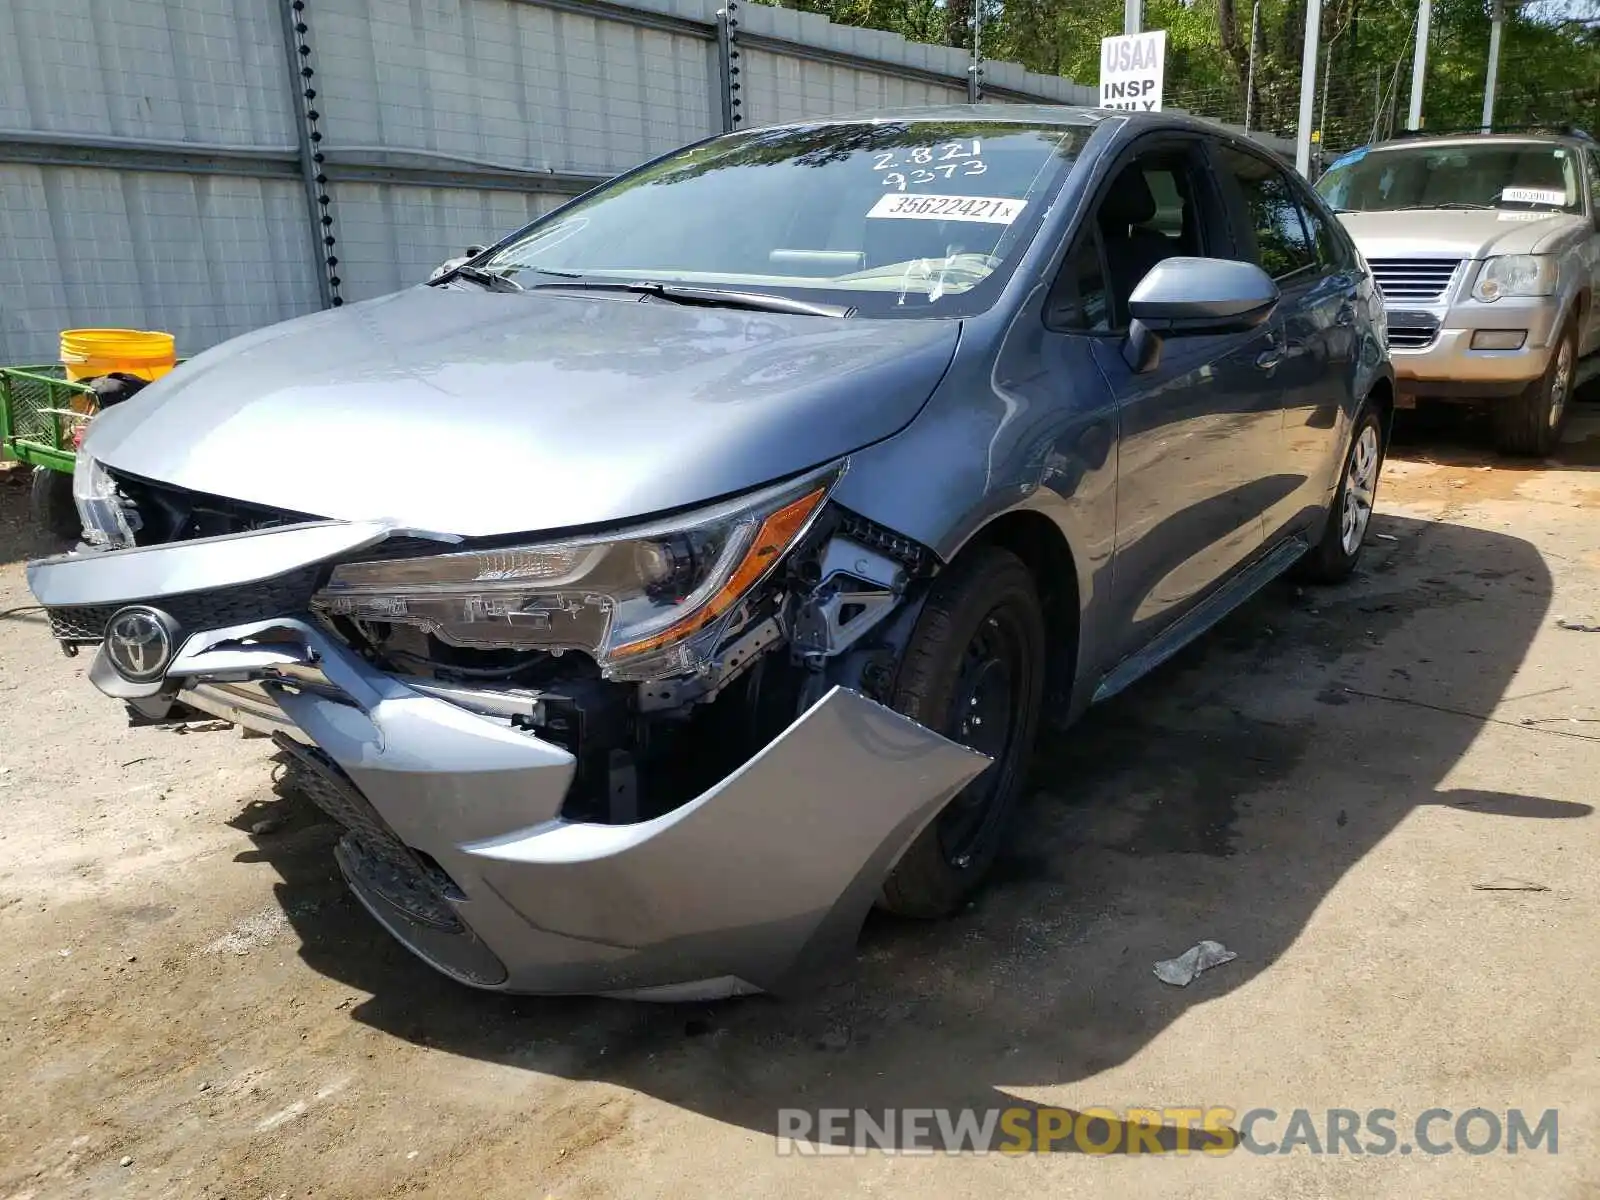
x=991 y=210
x=924 y=164
x=1526 y=195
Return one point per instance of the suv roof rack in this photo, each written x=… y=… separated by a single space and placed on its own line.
x=1559 y=130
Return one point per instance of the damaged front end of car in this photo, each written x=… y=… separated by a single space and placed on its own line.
x=652 y=762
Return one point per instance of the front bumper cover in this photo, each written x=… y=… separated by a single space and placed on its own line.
x=750 y=886
x=1448 y=364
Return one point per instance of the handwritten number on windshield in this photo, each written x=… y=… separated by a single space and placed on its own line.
x=929 y=163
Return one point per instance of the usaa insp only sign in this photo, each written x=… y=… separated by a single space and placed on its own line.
x=1132 y=67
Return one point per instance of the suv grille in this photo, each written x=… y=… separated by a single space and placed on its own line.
x=1413 y=278
x=1411 y=339
x=1412 y=330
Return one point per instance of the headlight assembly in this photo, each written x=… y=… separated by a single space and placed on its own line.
x=107 y=520
x=645 y=603
x=1515 y=275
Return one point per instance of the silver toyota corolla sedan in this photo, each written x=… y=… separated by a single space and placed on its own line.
x=812 y=468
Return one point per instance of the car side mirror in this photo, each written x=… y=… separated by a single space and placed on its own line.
x=1194 y=297
x=450 y=264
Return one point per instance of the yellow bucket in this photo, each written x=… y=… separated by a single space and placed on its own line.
x=87 y=353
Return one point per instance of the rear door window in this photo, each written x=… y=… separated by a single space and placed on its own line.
x=1330 y=248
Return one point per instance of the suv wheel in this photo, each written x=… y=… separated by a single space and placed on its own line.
x=973 y=671
x=1531 y=423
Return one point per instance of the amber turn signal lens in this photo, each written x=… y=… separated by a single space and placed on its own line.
x=776 y=535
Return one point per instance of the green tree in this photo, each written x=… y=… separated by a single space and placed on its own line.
x=1550 y=68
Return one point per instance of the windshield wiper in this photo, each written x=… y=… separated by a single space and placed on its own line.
x=707 y=297
x=492 y=280
x=1442 y=204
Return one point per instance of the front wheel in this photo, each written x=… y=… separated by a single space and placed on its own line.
x=1334 y=556
x=973 y=671
x=54 y=512
x=1531 y=424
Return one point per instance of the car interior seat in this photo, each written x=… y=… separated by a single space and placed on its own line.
x=1131 y=248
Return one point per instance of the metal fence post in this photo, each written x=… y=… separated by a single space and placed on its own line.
x=728 y=57
x=319 y=204
x=975 y=69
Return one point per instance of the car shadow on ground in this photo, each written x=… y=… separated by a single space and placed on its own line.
x=1222 y=797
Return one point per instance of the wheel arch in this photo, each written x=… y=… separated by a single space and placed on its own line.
x=1382 y=395
x=1043 y=548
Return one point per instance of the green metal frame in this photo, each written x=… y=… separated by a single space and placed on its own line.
x=36 y=416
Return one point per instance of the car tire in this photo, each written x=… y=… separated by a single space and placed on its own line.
x=50 y=503
x=977 y=652
x=1530 y=424
x=1337 y=551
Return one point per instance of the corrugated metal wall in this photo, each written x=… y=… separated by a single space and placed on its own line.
x=155 y=154
x=205 y=255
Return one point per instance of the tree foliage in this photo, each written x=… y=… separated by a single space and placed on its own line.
x=1549 y=73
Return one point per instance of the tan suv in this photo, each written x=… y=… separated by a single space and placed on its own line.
x=1487 y=248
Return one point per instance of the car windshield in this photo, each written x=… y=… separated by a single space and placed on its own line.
x=890 y=218
x=1527 y=176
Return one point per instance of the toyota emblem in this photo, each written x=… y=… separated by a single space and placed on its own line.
x=140 y=642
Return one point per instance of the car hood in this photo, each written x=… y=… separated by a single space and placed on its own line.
x=1458 y=233
x=478 y=413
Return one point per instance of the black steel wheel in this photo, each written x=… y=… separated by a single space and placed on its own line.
x=973 y=671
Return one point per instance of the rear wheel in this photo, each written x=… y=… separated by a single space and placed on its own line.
x=1531 y=423
x=1334 y=556
x=973 y=671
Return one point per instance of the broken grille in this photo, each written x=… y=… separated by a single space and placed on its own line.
x=281 y=596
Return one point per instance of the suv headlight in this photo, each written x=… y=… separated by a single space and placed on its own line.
x=645 y=603
x=1515 y=275
x=104 y=511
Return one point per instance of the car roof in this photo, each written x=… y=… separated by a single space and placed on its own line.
x=1035 y=114
x=1479 y=139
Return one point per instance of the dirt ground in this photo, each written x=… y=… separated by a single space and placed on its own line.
x=193 y=1006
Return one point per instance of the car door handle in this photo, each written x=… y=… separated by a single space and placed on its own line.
x=1268 y=359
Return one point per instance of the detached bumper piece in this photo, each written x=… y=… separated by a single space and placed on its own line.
x=458 y=839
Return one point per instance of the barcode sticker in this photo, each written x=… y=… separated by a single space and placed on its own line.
x=1523 y=195
x=991 y=210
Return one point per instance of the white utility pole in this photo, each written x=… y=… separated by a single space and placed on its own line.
x=1132 y=16
x=1250 y=76
x=1419 y=64
x=1308 y=87
x=1497 y=19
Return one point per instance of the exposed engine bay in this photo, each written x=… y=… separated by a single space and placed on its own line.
x=644 y=747
x=646 y=736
